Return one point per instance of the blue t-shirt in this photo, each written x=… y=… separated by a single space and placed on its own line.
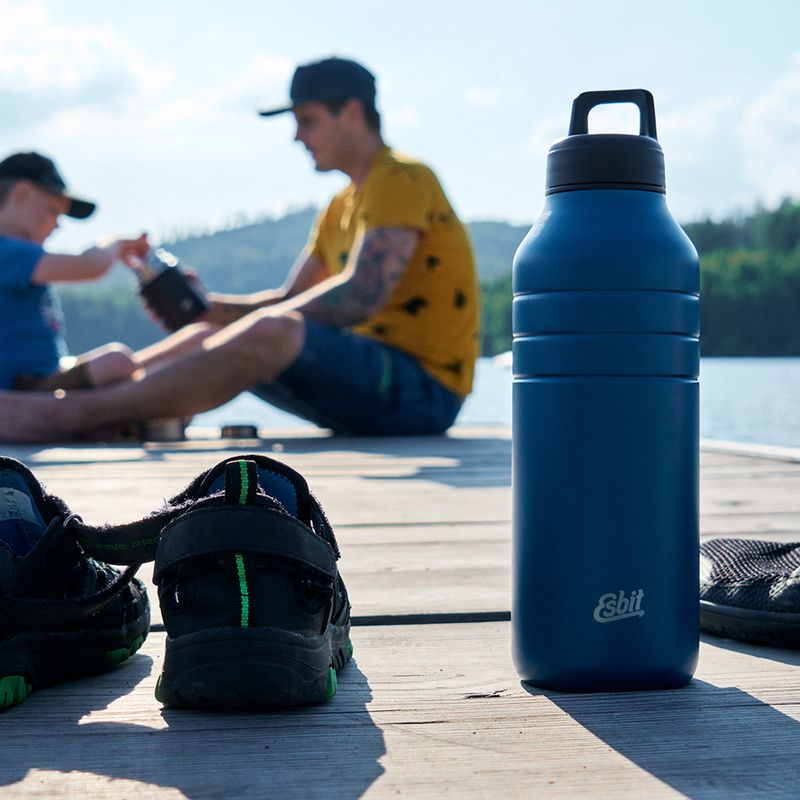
x=31 y=322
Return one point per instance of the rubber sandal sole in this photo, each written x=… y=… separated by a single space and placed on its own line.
x=747 y=625
x=33 y=661
x=246 y=668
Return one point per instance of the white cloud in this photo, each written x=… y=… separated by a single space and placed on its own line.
x=84 y=81
x=689 y=134
x=53 y=67
x=156 y=146
x=699 y=121
x=770 y=133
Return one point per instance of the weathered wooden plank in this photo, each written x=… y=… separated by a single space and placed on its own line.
x=422 y=711
x=419 y=531
x=396 y=473
x=358 y=488
x=425 y=710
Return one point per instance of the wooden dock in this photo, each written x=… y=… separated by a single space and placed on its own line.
x=431 y=705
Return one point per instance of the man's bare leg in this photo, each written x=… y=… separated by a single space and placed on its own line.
x=256 y=348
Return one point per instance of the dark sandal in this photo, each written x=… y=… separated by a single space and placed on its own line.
x=750 y=590
x=63 y=615
x=255 y=610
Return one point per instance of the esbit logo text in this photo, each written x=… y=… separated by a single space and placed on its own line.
x=614 y=606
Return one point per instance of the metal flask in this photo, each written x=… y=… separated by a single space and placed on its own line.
x=172 y=296
x=606 y=317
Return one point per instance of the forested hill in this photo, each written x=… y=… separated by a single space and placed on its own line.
x=750 y=286
x=750 y=283
x=257 y=256
x=750 y=277
x=243 y=259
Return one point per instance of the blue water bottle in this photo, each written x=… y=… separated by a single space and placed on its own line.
x=605 y=420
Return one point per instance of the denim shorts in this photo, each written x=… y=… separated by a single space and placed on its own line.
x=357 y=386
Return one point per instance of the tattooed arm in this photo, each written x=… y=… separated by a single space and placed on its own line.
x=375 y=267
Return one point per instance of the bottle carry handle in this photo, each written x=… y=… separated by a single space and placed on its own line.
x=586 y=101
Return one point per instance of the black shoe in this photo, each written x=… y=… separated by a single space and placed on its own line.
x=63 y=615
x=750 y=590
x=255 y=610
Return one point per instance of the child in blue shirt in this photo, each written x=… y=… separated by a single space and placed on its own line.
x=32 y=198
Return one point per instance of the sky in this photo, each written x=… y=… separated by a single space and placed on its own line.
x=149 y=107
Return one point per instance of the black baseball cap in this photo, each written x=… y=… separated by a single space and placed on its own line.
x=42 y=172
x=332 y=80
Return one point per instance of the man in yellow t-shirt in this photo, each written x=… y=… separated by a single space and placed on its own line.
x=431 y=313
x=375 y=330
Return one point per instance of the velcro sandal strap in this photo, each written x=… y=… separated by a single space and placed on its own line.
x=132 y=543
x=247 y=529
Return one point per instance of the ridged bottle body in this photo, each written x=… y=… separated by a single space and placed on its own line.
x=605 y=445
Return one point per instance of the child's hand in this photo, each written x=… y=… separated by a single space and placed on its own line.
x=131 y=251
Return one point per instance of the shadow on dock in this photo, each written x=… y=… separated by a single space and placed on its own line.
x=331 y=750
x=470 y=461
x=690 y=738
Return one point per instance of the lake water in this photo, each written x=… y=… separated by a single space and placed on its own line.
x=741 y=400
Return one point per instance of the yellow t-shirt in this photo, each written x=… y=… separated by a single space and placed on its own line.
x=433 y=312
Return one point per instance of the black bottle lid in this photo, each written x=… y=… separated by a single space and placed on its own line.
x=607 y=160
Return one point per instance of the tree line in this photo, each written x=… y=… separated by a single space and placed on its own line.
x=750 y=280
